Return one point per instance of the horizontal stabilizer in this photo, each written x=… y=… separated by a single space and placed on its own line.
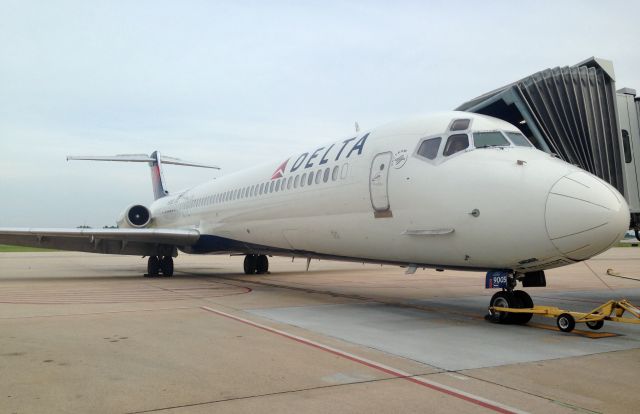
x=140 y=158
x=155 y=161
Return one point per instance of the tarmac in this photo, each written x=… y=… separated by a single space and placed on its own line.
x=84 y=333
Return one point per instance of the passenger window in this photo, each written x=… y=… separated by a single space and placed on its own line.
x=296 y=181
x=334 y=173
x=460 y=124
x=271 y=186
x=289 y=181
x=277 y=186
x=626 y=145
x=518 y=139
x=318 y=176
x=325 y=178
x=429 y=148
x=310 y=180
x=344 y=173
x=489 y=139
x=303 y=180
x=261 y=188
x=456 y=143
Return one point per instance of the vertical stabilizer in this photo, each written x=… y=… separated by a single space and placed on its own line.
x=157 y=178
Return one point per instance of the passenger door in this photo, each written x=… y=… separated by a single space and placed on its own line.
x=379 y=184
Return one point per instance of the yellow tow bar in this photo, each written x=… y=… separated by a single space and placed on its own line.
x=566 y=320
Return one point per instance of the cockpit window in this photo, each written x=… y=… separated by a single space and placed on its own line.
x=460 y=124
x=518 y=139
x=456 y=143
x=429 y=148
x=489 y=139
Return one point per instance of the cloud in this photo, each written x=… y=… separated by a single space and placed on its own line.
x=240 y=83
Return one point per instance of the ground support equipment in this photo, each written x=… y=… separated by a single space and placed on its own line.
x=566 y=320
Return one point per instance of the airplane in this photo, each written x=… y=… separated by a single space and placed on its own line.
x=450 y=190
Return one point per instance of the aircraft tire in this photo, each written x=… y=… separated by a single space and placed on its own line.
x=262 y=265
x=250 y=264
x=166 y=266
x=527 y=302
x=505 y=299
x=153 y=266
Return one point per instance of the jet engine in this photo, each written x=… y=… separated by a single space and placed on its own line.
x=136 y=216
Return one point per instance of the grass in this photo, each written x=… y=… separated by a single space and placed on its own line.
x=6 y=248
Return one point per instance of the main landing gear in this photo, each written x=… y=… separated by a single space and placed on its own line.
x=157 y=265
x=254 y=263
x=510 y=298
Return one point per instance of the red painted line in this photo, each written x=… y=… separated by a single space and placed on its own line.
x=465 y=396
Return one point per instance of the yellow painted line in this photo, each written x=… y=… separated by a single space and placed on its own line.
x=586 y=334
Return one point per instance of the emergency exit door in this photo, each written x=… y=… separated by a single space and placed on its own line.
x=379 y=182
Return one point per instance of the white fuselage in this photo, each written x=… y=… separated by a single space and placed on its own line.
x=375 y=198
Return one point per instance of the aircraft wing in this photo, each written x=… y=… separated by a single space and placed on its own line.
x=139 y=242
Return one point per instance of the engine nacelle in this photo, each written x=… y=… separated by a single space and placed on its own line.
x=136 y=216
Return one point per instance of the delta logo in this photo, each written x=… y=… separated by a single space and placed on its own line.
x=323 y=155
x=279 y=172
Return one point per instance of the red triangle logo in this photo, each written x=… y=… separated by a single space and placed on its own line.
x=279 y=172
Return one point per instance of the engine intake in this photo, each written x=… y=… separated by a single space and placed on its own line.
x=136 y=216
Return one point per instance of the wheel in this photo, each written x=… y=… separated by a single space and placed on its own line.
x=153 y=266
x=505 y=299
x=166 y=265
x=566 y=322
x=527 y=302
x=250 y=263
x=262 y=265
x=595 y=325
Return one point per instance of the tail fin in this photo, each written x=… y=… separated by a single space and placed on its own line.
x=155 y=161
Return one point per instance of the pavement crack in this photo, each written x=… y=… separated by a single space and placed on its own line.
x=270 y=394
x=561 y=403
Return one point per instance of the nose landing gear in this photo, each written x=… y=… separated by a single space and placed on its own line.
x=511 y=298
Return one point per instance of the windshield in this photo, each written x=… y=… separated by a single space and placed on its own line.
x=429 y=148
x=518 y=139
x=456 y=143
x=489 y=139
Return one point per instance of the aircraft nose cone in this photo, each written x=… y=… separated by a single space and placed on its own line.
x=585 y=216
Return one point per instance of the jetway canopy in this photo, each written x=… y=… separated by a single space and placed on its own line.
x=573 y=111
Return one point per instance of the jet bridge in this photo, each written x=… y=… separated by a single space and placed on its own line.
x=576 y=113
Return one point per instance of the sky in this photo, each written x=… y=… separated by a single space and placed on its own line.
x=244 y=82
